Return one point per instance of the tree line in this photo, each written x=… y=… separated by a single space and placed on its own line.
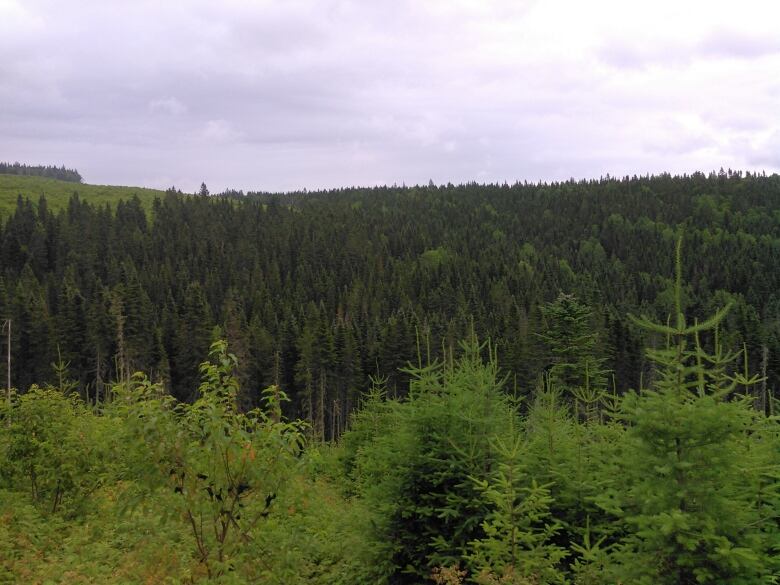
x=48 y=171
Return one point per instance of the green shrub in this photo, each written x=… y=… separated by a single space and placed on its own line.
x=53 y=447
x=226 y=467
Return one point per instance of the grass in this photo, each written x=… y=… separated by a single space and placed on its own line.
x=59 y=192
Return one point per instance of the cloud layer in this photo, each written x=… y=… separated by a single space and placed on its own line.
x=286 y=94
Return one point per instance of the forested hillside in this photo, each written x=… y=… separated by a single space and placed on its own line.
x=562 y=384
x=457 y=482
x=319 y=291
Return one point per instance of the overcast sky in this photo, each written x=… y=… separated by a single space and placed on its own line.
x=278 y=95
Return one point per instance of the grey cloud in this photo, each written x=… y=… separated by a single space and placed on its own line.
x=632 y=55
x=739 y=45
x=766 y=153
x=168 y=105
x=720 y=44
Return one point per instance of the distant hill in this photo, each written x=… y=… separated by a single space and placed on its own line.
x=59 y=192
x=48 y=171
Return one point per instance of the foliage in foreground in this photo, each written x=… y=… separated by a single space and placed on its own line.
x=674 y=484
x=457 y=482
x=152 y=490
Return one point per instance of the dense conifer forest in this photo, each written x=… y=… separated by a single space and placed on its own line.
x=572 y=382
x=317 y=292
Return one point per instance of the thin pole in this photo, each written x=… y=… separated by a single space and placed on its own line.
x=8 y=322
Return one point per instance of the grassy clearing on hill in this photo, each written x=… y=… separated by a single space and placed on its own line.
x=59 y=192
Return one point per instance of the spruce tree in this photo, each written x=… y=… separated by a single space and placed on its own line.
x=416 y=462
x=688 y=461
x=517 y=547
x=577 y=365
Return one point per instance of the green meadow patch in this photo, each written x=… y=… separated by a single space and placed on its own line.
x=58 y=193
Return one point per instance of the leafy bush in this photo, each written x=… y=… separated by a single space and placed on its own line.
x=226 y=467
x=53 y=447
